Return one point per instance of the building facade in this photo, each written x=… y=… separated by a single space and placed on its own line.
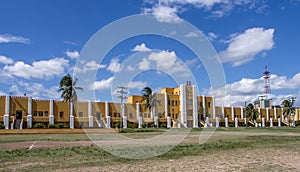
x=178 y=107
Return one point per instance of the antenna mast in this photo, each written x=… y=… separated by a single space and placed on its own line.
x=267 y=82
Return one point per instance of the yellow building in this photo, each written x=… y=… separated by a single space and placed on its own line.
x=177 y=107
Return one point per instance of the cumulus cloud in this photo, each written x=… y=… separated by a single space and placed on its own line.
x=72 y=54
x=38 y=91
x=137 y=85
x=164 y=13
x=102 y=85
x=212 y=36
x=141 y=48
x=114 y=66
x=7 y=38
x=92 y=65
x=248 y=89
x=169 y=10
x=244 y=47
x=6 y=60
x=39 y=69
x=164 y=60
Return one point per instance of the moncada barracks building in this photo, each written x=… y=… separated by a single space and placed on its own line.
x=178 y=107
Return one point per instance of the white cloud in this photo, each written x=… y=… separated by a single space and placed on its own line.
x=114 y=66
x=6 y=38
x=39 y=69
x=217 y=8
x=102 y=85
x=191 y=35
x=38 y=91
x=166 y=61
x=137 y=85
x=6 y=60
x=72 y=54
x=248 y=89
x=164 y=13
x=212 y=36
x=92 y=65
x=141 y=48
x=144 y=64
x=244 y=47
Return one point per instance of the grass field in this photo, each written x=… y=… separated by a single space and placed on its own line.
x=229 y=149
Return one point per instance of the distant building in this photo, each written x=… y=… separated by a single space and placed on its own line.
x=178 y=107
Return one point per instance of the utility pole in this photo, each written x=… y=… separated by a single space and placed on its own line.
x=122 y=91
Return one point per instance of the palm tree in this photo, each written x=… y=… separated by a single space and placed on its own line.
x=150 y=100
x=68 y=88
x=288 y=109
x=251 y=113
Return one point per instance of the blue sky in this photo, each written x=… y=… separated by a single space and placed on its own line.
x=40 y=41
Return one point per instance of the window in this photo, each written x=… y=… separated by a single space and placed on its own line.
x=176 y=116
x=189 y=102
x=41 y=113
x=149 y=115
x=145 y=115
x=118 y=115
x=61 y=114
x=176 y=103
x=159 y=115
x=172 y=110
x=168 y=102
x=173 y=115
x=172 y=102
x=80 y=114
x=208 y=104
x=35 y=113
x=115 y=114
x=46 y=113
x=130 y=115
x=189 y=113
x=110 y=114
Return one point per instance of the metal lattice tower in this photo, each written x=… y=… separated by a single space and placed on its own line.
x=267 y=82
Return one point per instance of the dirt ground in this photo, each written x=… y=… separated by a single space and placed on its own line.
x=237 y=160
x=258 y=159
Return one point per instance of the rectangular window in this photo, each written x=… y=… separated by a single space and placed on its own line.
x=149 y=115
x=172 y=102
x=189 y=113
x=115 y=115
x=159 y=115
x=46 y=113
x=35 y=113
x=208 y=104
x=80 y=114
x=145 y=115
x=61 y=114
x=119 y=115
x=41 y=113
x=176 y=103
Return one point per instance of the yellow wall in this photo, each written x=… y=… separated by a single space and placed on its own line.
x=19 y=103
x=60 y=106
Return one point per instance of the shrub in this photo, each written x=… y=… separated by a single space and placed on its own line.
x=52 y=126
x=144 y=125
x=39 y=125
x=2 y=126
x=163 y=125
x=117 y=125
x=62 y=125
x=231 y=125
x=133 y=125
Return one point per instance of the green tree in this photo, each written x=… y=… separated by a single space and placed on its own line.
x=67 y=87
x=288 y=109
x=150 y=100
x=251 y=113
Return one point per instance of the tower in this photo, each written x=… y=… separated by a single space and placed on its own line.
x=267 y=83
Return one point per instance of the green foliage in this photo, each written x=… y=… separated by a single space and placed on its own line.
x=138 y=130
x=2 y=126
x=39 y=125
x=163 y=125
x=62 y=125
x=132 y=125
x=144 y=125
x=52 y=126
x=231 y=125
x=117 y=124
